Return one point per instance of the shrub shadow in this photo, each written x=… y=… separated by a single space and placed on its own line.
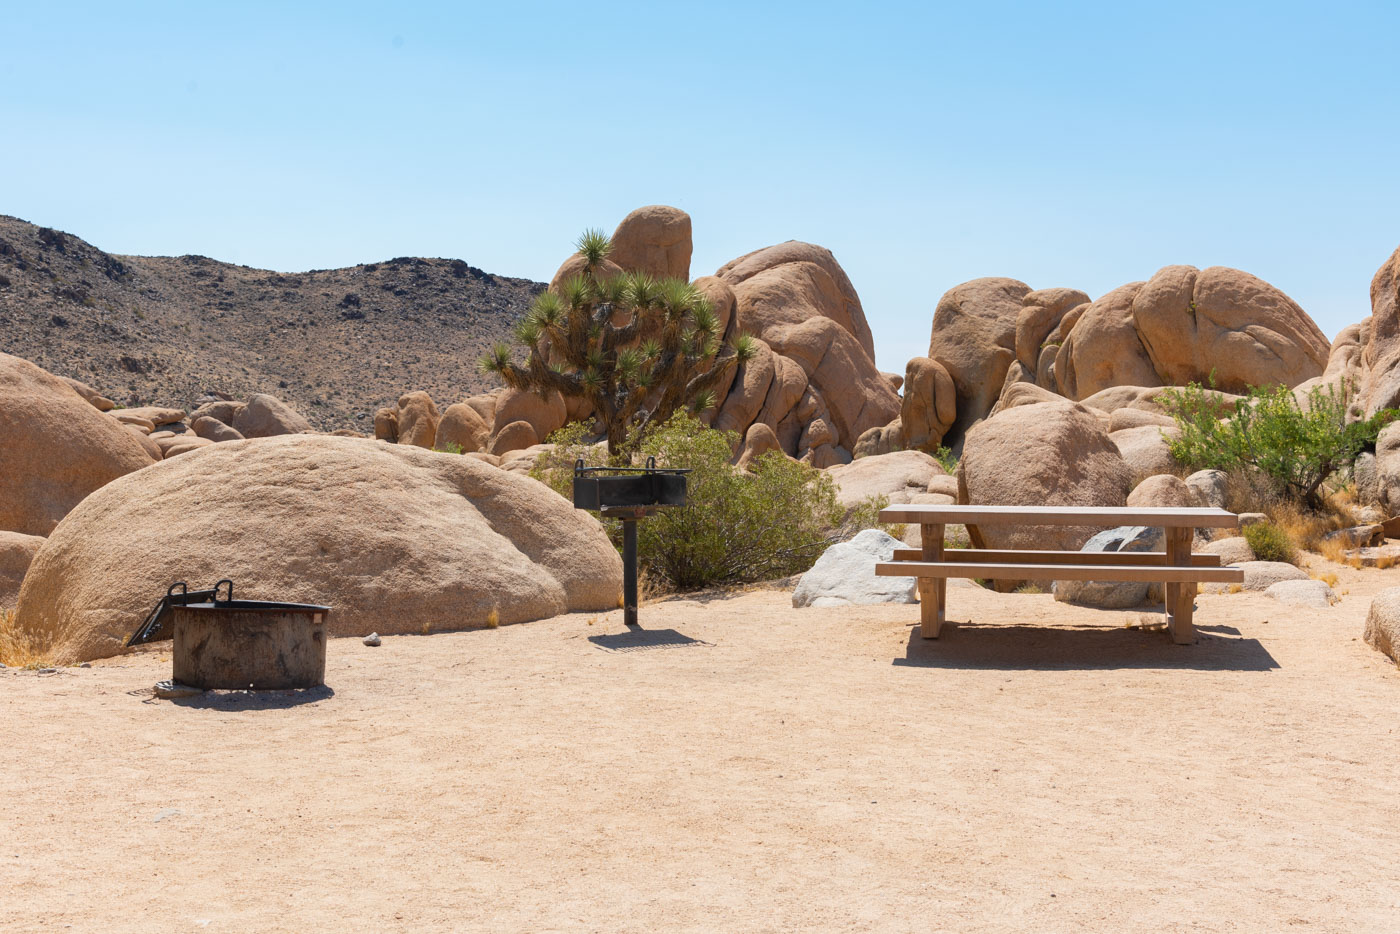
x=1043 y=648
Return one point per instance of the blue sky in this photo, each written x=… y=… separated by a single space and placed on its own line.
x=1080 y=145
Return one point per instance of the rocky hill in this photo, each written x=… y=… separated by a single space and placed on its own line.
x=336 y=343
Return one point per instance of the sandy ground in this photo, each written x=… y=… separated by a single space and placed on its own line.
x=1041 y=769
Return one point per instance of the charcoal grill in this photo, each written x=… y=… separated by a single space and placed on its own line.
x=629 y=494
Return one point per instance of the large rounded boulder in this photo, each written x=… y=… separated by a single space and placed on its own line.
x=394 y=538
x=1217 y=325
x=1044 y=454
x=1197 y=322
x=55 y=448
x=656 y=240
x=974 y=339
x=17 y=552
x=796 y=297
x=1381 y=344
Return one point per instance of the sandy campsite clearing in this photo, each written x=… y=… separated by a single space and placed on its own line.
x=1043 y=769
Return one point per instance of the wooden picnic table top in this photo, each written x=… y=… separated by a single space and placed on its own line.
x=1161 y=516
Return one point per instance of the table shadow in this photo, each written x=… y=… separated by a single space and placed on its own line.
x=1041 y=648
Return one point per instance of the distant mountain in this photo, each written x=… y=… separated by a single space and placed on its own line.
x=335 y=343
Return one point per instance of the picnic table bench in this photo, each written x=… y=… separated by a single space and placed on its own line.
x=1177 y=567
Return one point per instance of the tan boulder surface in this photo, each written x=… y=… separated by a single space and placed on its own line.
x=900 y=476
x=463 y=427
x=418 y=420
x=1040 y=316
x=1103 y=350
x=929 y=406
x=386 y=424
x=158 y=415
x=793 y=279
x=1381 y=353
x=1226 y=322
x=1162 y=490
x=17 y=551
x=796 y=298
x=974 y=339
x=1382 y=630
x=214 y=430
x=92 y=396
x=654 y=239
x=223 y=410
x=394 y=538
x=55 y=448
x=266 y=416
x=1146 y=450
x=544 y=414
x=513 y=437
x=758 y=441
x=1045 y=454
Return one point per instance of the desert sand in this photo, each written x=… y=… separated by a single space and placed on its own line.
x=740 y=766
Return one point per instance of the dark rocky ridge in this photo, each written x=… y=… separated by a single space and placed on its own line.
x=335 y=343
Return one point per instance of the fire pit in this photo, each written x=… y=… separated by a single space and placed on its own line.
x=241 y=644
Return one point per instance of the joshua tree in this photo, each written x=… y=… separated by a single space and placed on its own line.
x=635 y=347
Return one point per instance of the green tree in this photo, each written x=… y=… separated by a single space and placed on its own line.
x=636 y=348
x=1297 y=447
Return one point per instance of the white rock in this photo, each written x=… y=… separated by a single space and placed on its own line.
x=1113 y=594
x=845 y=575
x=372 y=639
x=1303 y=593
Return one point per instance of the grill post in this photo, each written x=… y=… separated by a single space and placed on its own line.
x=628 y=494
x=629 y=571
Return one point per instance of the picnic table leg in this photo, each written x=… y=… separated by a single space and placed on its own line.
x=932 y=591
x=1181 y=598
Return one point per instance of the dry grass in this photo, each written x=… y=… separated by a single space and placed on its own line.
x=1029 y=588
x=493 y=619
x=1327 y=577
x=19 y=649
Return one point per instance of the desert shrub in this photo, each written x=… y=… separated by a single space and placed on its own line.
x=946 y=460
x=1269 y=542
x=1297 y=448
x=19 y=649
x=739 y=527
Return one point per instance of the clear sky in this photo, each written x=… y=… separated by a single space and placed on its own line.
x=1075 y=144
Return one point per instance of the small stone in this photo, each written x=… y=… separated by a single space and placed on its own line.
x=48 y=671
x=85 y=665
x=1309 y=593
x=1358 y=536
x=372 y=639
x=174 y=690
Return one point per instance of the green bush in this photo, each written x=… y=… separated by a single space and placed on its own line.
x=1297 y=447
x=1269 y=542
x=739 y=527
x=946 y=460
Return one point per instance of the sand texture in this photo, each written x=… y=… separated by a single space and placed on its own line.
x=1041 y=769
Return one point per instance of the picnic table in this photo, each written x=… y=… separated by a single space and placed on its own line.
x=1177 y=568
